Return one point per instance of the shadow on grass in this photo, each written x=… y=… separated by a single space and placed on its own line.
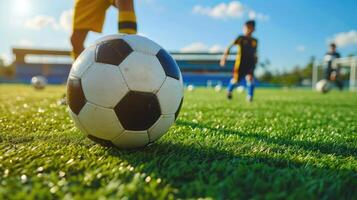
x=202 y=171
x=323 y=147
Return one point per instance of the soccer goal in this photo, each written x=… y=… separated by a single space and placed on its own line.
x=348 y=64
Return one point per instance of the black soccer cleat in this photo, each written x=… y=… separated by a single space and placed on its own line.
x=229 y=96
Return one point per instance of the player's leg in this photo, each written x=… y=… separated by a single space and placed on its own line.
x=328 y=73
x=232 y=84
x=336 y=78
x=88 y=16
x=77 y=40
x=339 y=83
x=250 y=84
x=126 y=17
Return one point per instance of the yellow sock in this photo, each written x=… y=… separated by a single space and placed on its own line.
x=127 y=22
x=74 y=55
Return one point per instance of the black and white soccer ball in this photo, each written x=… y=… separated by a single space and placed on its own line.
x=323 y=86
x=124 y=91
x=240 y=89
x=190 y=88
x=39 y=82
x=218 y=88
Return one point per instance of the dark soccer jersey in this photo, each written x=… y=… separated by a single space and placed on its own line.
x=246 y=56
x=329 y=57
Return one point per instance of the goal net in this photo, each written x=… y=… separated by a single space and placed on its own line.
x=347 y=66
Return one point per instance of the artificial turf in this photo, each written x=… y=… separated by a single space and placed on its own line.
x=294 y=144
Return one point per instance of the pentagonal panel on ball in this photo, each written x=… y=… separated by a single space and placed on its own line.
x=138 y=111
x=83 y=62
x=169 y=64
x=170 y=95
x=75 y=95
x=142 y=44
x=100 y=122
x=161 y=127
x=112 y=52
x=131 y=139
x=142 y=72
x=104 y=85
x=109 y=37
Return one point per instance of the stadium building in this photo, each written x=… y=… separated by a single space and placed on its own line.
x=199 y=69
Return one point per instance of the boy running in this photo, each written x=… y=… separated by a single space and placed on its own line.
x=246 y=60
x=333 y=72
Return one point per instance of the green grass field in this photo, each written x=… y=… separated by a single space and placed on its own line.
x=287 y=144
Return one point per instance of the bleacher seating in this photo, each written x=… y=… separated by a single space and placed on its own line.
x=197 y=68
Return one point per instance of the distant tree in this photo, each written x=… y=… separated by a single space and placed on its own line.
x=306 y=72
x=2 y=66
x=266 y=77
x=7 y=71
x=293 y=77
x=265 y=64
x=2 y=62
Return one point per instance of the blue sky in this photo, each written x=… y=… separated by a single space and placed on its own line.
x=289 y=32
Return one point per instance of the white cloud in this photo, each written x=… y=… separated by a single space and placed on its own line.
x=194 y=47
x=66 y=19
x=201 y=47
x=258 y=16
x=301 y=48
x=40 y=22
x=6 y=58
x=233 y=9
x=43 y=21
x=25 y=43
x=344 y=39
x=216 y=48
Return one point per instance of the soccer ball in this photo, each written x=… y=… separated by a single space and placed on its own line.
x=124 y=91
x=323 y=86
x=218 y=88
x=240 y=89
x=190 y=88
x=39 y=82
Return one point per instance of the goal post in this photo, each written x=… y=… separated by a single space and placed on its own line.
x=348 y=62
